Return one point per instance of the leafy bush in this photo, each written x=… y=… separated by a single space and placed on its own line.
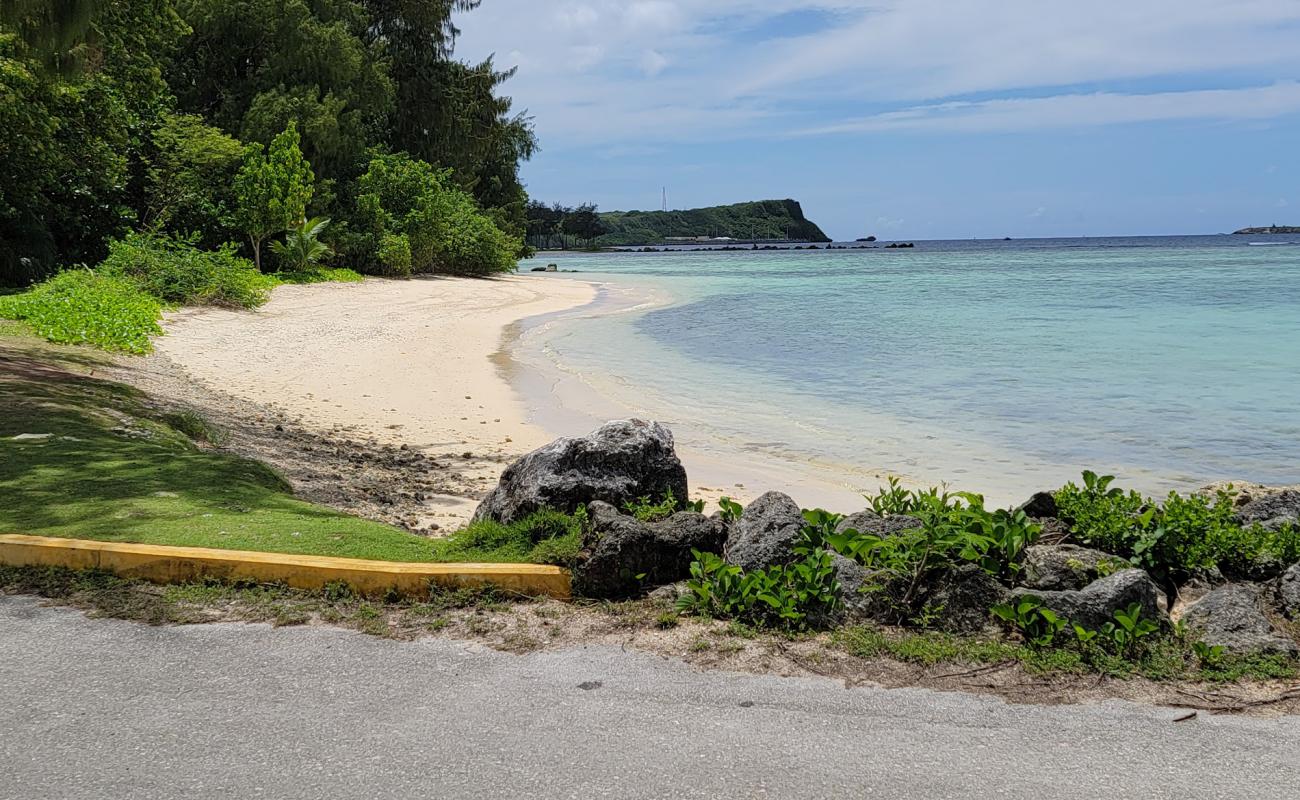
x=81 y=307
x=321 y=275
x=171 y=268
x=798 y=595
x=1177 y=537
x=954 y=529
x=411 y=218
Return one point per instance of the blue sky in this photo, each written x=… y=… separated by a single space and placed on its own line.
x=915 y=118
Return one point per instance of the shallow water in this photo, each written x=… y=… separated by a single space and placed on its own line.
x=998 y=366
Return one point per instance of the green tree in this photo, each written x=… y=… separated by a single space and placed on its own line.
x=191 y=179
x=272 y=189
x=583 y=223
x=74 y=146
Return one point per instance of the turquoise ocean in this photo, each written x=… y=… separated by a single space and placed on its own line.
x=999 y=366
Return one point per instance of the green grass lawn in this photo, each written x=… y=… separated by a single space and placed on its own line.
x=113 y=470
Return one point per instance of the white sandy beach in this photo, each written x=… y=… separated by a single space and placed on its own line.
x=403 y=362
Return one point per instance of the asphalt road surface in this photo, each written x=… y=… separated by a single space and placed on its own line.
x=110 y=709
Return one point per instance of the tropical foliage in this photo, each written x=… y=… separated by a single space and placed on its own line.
x=239 y=119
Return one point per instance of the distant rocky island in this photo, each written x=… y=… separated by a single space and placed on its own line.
x=1270 y=229
x=756 y=221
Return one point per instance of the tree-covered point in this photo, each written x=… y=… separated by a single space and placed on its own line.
x=758 y=220
x=122 y=117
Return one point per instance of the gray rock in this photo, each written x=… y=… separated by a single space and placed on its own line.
x=1288 y=592
x=1096 y=604
x=1232 y=617
x=963 y=597
x=1041 y=504
x=668 y=593
x=1271 y=510
x=854 y=579
x=766 y=533
x=622 y=461
x=871 y=522
x=1056 y=567
x=621 y=555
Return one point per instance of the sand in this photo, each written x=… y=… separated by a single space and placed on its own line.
x=413 y=362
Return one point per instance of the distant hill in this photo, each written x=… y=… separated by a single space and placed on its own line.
x=1270 y=229
x=761 y=219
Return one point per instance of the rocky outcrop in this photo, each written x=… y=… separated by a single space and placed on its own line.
x=1058 y=567
x=1272 y=510
x=1232 y=617
x=1288 y=592
x=1096 y=604
x=622 y=556
x=621 y=462
x=962 y=597
x=766 y=533
x=871 y=522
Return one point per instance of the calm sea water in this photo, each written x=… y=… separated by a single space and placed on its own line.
x=993 y=364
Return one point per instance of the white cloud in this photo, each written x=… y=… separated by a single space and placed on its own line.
x=1080 y=110
x=653 y=62
x=882 y=65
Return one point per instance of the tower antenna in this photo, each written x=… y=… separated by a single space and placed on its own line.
x=665 y=202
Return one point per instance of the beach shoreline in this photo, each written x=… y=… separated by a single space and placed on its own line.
x=386 y=367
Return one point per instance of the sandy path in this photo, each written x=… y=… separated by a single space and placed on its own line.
x=395 y=362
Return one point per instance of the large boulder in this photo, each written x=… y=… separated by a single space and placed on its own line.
x=622 y=556
x=1096 y=604
x=1057 y=567
x=619 y=463
x=962 y=598
x=1232 y=617
x=1288 y=592
x=870 y=522
x=1041 y=504
x=766 y=533
x=1271 y=509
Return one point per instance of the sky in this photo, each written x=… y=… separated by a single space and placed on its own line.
x=914 y=118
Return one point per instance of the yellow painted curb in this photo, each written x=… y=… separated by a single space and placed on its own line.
x=166 y=564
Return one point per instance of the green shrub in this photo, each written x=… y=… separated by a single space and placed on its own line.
x=191 y=179
x=81 y=307
x=1177 y=537
x=171 y=268
x=321 y=275
x=410 y=218
x=954 y=529
x=798 y=595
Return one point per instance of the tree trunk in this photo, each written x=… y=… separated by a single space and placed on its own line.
x=257 y=250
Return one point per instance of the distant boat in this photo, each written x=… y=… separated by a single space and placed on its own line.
x=865 y=239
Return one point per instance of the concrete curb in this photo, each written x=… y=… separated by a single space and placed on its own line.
x=166 y=564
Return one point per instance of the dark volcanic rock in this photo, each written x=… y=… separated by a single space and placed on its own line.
x=1288 y=592
x=622 y=461
x=1096 y=604
x=1055 y=567
x=621 y=555
x=871 y=522
x=963 y=597
x=1272 y=510
x=766 y=532
x=1042 y=504
x=1232 y=618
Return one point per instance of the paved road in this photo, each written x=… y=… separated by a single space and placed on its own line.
x=109 y=709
